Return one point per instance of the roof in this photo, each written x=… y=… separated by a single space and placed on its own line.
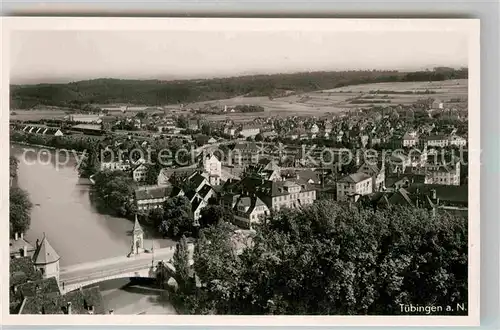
x=45 y=253
x=19 y=244
x=87 y=126
x=137 y=226
x=42 y=286
x=81 y=302
x=445 y=193
x=355 y=177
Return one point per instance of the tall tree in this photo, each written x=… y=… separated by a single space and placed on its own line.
x=181 y=264
x=19 y=210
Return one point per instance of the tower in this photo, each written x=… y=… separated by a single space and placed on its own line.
x=137 y=238
x=46 y=259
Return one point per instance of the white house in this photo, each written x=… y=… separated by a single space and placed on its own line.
x=354 y=184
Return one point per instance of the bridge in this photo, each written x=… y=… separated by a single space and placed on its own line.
x=143 y=265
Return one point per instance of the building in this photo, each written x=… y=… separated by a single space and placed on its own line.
x=150 y=198
x=194 y=124
x=46 y=259
x=443 y=174
x=139 y=172
x=440 y=141
x=19 y=247
x=437 y=104
x=86 y=118
x=249 y=211
x=275 y=194
x=213 y=167
x=115 y=166
x=357 y=184
x=89 y=129
x=266 y=169
x=249 y=130
x=457 y=141
x=410 y=139
x=245 y=153
x=377 y=171
x=314 y=129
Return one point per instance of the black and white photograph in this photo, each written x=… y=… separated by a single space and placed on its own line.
x=241 y=167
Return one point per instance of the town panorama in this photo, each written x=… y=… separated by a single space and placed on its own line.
x=317 y=193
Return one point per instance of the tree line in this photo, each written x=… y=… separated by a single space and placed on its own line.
x=81 y=94
x=19 y=202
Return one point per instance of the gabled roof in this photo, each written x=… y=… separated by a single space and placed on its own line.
x=45 y=253
x=42 y=286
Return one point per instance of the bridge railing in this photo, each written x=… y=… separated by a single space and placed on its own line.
x=106 y=273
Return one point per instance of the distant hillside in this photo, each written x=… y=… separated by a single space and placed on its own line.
x=156 y=92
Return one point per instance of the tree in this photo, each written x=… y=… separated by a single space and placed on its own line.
x=113 y=192
x=19 y=210
x=177 y=218
x=181 y=264
x=153 y=170
x=211 y=215
x=259 y=138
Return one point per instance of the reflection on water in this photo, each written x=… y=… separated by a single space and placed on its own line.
x=65 y=214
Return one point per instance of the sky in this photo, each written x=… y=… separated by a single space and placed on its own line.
x=64 y=56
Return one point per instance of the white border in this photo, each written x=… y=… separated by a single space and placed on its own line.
x=467 y=26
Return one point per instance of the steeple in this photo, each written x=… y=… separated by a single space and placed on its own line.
x=137 y=227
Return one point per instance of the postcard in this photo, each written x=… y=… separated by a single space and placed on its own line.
x=239 y=171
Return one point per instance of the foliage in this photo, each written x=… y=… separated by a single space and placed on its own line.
x=19 y=210
x=211 y=215
x=333 y=259
x=177 y=217
x=152 y=172
x=13 y=166
x=181 y=264
x=113 y=192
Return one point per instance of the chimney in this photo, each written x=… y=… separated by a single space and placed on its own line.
x=16 y=236
x=68 y=307
x=111 y=311
x=22 y=235
x=25 y=251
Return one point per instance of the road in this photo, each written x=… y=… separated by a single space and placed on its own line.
x=112 y=266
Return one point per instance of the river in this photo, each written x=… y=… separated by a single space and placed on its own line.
x=62 y=211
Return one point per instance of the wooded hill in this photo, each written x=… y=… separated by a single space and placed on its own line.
x=157 y=92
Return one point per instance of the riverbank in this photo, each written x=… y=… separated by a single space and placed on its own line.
x=20 y=143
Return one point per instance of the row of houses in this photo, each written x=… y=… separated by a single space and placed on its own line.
x=43 y=130
x=412 y=139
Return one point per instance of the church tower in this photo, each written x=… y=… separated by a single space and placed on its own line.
x=46 y=259
x=137 y=238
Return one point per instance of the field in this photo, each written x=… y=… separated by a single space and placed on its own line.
x=344 y=98
x=37 y=114
x=316 y=103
